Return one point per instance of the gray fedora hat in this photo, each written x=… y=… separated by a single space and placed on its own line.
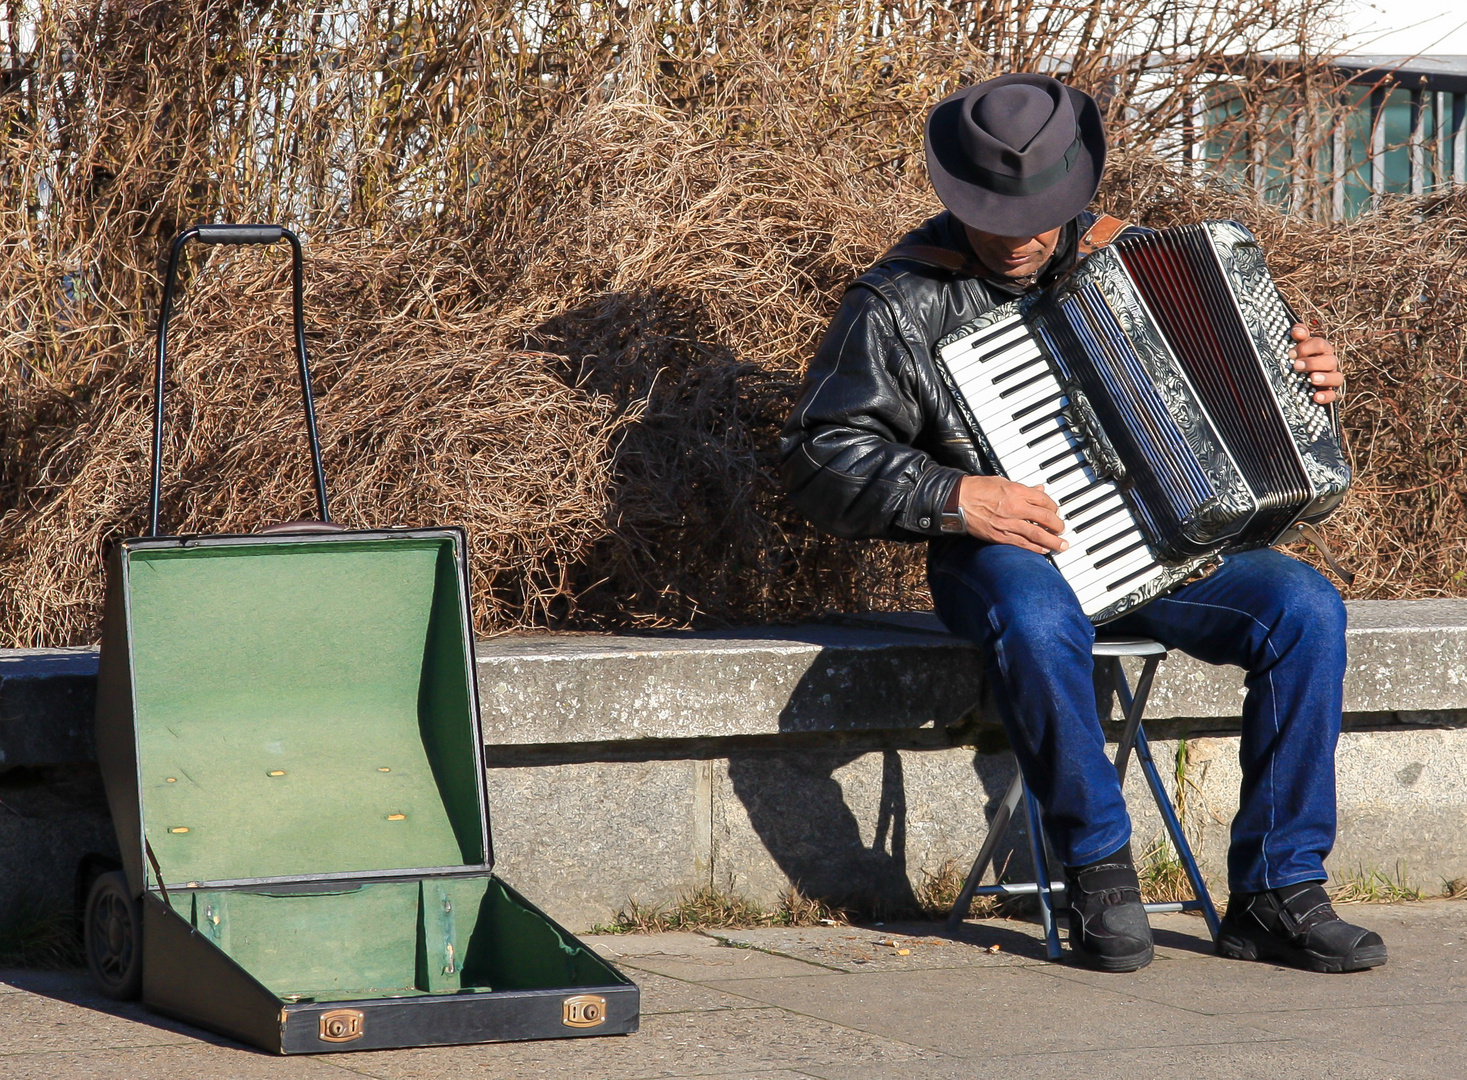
x=1017 y=155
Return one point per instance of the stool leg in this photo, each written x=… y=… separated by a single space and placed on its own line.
x=1042 y=878
x=1132 y=707
x=996 y=830
x=1174 y=829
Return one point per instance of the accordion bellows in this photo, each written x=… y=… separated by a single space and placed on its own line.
x=1151 y=392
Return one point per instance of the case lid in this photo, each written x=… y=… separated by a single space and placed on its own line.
x=303 y=707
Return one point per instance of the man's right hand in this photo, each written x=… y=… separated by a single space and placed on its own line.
x=1004 y=512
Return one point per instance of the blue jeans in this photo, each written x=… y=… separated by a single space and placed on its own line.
x=1275 y=617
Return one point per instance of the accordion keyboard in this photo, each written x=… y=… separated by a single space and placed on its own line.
x=1009 y=388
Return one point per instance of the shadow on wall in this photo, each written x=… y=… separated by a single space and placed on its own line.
x=843 y=839
x=814 y=829
x=799 y=811
x=813 y=824
x=694 y=487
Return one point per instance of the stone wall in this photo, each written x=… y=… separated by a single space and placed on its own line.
x=851 y=760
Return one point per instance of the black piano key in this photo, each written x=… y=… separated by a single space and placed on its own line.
x=1114 y=538
x=1119 y=554
x=1058 y=395
x=1011 y=391
x=1040 y=440
x=1004 y=350
x=1017 y=369
x=1100 y=517
x=1080 y=493
x=1068 y=452
x=1045 y=419
x=1057 y=477
x=1079 y=511
x=1146 y=569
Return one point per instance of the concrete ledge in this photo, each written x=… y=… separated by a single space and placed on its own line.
x=851 y=760
x=47 y=697
x=1408 y=662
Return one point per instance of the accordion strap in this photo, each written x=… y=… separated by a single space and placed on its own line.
x=932 y=255
x=1315 y=537
x=1105 y=229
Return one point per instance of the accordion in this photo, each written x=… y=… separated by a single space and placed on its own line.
x=1151 y=392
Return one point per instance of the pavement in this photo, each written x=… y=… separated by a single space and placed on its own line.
x=879 y=1002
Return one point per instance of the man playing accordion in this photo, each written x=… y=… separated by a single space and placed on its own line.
x=876 y=447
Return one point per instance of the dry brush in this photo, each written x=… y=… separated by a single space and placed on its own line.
x=562 y=279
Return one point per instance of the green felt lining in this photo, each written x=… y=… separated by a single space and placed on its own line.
x=392 y=939
x=303 y=708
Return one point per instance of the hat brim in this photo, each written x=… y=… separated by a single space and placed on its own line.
x=1013 y=215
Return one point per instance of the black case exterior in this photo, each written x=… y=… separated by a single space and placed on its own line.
x=189 y=977
x=186 y=977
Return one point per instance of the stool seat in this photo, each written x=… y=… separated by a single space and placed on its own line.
x=1127 y=646
x=1133 y=738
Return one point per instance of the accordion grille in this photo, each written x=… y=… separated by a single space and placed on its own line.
x=1177 y=274
x=1167 y=483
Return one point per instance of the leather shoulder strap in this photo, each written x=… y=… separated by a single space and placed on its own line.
x=932 y=255
x=1105 y=229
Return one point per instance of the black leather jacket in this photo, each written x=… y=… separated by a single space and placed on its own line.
x=876 y=443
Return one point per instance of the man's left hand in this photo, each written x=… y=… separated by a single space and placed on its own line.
x=1317 y=356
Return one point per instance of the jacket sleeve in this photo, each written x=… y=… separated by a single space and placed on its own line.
x=847 y=458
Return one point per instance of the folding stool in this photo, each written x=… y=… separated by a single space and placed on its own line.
x=1133 y=736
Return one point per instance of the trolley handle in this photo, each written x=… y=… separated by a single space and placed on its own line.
x=239 y=234
x=235 y=234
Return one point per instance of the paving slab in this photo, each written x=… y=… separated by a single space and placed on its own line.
x=1428 y=964
x=967 y=1013
x=896 y=946
x=661 y=994
x=749 y=1042
x=175 y=1062
x=35 y=1022
x=1282 y=1060
x=1408 y=1036
x=696 y=958
x=787 y=1003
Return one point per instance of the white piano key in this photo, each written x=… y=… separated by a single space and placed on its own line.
x=976 y=377
x=1083 y=504
x=1112 y=572
x=1030 y=460
x=982 y=349
x=1021 y=370
x=1024 y=445
x=1103 y=580
x=980 y=364
x=1085 y=543
x=994 y=362
x=1050 y=456
x=1003 y=328
x=1057 y=487
x=1078 y=482
x=1094 y=602
x=1077 y=565
x=1055 y=403
x=1080 y=565
x=1118 y=534
x=1091 y=515
x=1032 y=427
x=991 y=407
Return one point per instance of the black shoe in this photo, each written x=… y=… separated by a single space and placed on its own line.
x=1108 y=927
x=1296 y=924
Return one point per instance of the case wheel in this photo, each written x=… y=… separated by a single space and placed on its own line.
x=113 y=935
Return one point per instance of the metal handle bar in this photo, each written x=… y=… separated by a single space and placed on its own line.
x=235 y=234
